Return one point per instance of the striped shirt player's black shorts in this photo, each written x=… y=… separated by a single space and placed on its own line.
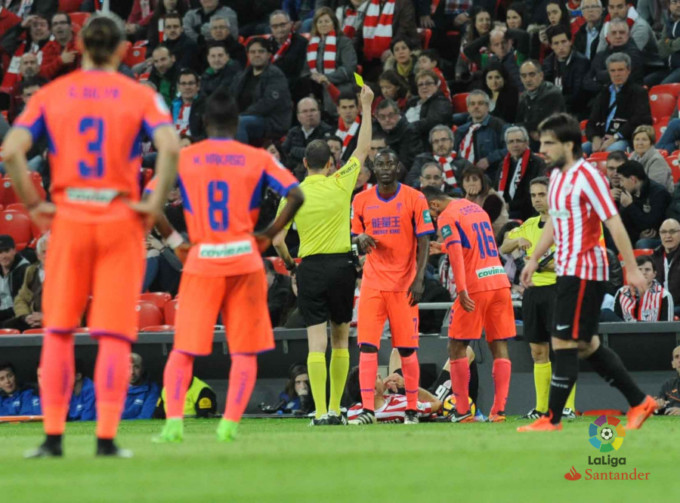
x=326 y=288
x=577 y=308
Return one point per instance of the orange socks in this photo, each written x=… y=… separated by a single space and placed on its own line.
x=368 y=370
x=411 y=371
x=111 y=381
x=502 y=368
x=57 y=373
x=176 y=380
x=460 y=382
x=242 y=378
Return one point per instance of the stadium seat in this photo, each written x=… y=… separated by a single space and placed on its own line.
x=660 y=126
x=584 y=124
x=672 y=89
x=672 y=161
x=600 y=164
x=128 y=47
x=19 y=207
x=17 y=225
x=9 y=331
x=425 y=37
x=34 y=331
x=598 y=156
x=136 y=54
x=643 y=251
x=279 y=265
x=459 y=104
x=662 y=105
x=69 y=6
x=158 y=328
x=8 y=194
x=158 y=299
x=79 y=18
x=170 y=310
x=149 y=314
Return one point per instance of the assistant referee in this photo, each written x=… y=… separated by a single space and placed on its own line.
x=326 y=276
x=539 y=300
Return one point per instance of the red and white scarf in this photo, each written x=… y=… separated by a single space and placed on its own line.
x=447 y=167
x=648 y=308
x=503 y=183
x=346 y=134
x=284 y=48
x=630 y=19
x=182 y=120
x=350 y=22
x=467 y=146
x=161 y=30
x=329 y=50
x=377 y=30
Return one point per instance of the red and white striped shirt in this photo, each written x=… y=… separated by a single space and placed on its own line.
x=579 y=200
x=393 y=410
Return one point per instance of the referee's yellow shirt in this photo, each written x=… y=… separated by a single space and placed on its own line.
x=531 y=231
x=323 y=221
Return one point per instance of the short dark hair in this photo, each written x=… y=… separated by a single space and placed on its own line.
x=388 y=103
x=332 y=137
x=387 y=151
x=433 y=194
x=188 y=71
x=8 y=365
x=32 y=82
x=59 y=13
x=643 y=259
x=632 y=168
x=556 y=31
x=264 y=43
x=431 y=54
x=396 y=40
x=540 y=180
x=221 y=111
x=617 y=155
x=379 y=135
x=348 y=95
x=565 y=128
x=216 y=43
x=173 y=15
x=318 y=154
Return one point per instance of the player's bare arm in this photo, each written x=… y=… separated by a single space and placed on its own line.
x=510 y=245
x=418 y=286
x=17 y=142
x=294 y=200
x=366 y=129
x=365 y=242
x=542 y=246
x=622 y=242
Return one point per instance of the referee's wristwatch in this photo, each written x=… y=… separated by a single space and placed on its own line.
x=291 y=268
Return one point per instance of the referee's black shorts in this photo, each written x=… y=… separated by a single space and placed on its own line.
x=577 y=308
x=326 y=288
x=538 y=307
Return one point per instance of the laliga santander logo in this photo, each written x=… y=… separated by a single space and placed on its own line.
x=606 y=433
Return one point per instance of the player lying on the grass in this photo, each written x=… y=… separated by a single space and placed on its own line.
x=668 y=398
x=390 y=407
x=223 y=183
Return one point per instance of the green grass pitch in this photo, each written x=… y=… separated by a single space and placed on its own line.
x=287 y=461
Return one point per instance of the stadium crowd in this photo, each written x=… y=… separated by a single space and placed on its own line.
x=461 y=86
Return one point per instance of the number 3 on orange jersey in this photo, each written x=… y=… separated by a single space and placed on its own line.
x=94 y=147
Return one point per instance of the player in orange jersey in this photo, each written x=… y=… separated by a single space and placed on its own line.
x=483 y=298
x=93 y=118
x=222 y=183
x=391 y=223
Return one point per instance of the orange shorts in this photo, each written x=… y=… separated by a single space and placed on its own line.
x=493 y=312
x=242 y=300
x=105 y=260
x=375 y=307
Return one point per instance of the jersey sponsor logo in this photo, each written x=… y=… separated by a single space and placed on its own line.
x=386 y=225
x=427 y=218
x=561 y=214
x=225 y=250
x=101 y=197
x=446 y=231
x=490 y=271
x=347 y=169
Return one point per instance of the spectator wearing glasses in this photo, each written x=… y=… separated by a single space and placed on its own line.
x=587 y=37
x=60 y=56
x=310 y=128
x=400 y=136
x=289 y=48
x=188 y=107
x=430 y=107
x=220 y=31
x=442 y=153
x=181 y=46
x=197 y=21
x=667 y=260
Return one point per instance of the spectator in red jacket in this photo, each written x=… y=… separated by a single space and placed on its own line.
x=60 y=56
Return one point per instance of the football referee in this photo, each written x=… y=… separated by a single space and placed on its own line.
x=326 y=276
x=538 y=302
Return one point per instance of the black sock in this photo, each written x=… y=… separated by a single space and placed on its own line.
x=473 y=389
x=53 y=441
x=565 y=372
x=105 y=445
x=608 y=364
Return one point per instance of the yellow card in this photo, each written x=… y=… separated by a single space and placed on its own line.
x=359 y=79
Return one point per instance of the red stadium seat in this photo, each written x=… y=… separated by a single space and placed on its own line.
x=598 y=156
x=660 y=126
x=79 y=18
x=279 y=265
x=158 y=299
x=672 y=89
x=17 y=225
x=672 y=161
x=643 y=251
x=459 y=103
x=600 y=164
x=34 y=331
x=20 y=207
x=584 y=124
x=149 y=314
x=9 y=331
x=170 y=310
x=69 y=5
x=158 y=328
x=425 y=37
x=8 y=194
x=136 y=54
x=662 y=105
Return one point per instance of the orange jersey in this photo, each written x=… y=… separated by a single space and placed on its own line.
x=93 y=121
x=394 y=223
x=466 y=224
x=222 y=183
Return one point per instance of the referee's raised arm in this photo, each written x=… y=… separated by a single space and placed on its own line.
x=365 y=131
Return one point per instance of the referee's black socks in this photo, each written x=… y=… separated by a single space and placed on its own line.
x=565 y=371
x=608 y=364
